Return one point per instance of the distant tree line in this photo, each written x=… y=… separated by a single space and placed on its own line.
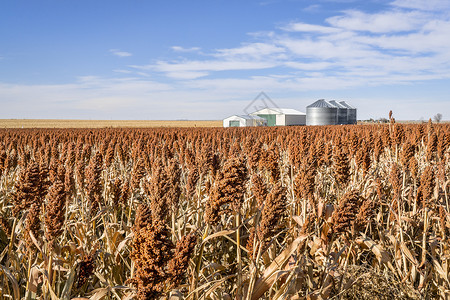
x=437 y=118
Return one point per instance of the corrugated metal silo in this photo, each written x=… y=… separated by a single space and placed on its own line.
x=351 y=113
x=321 y=112
x=342 y=112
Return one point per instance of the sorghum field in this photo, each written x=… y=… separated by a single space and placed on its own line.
x=211 y=213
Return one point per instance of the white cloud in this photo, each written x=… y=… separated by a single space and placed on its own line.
x=385 y=22
x=323 y=49
x=431 y=39
x=202 y=68
x=89 y=97
x=427 y=5
x=354 y=49
x=119 y=53
x=404 y=44
x=131 y=98
x=182 y=49
x=122 y=71
x=239 y=85
x=303 y=27
x=125 y=86
x=312 y=8
x=363 y=48
x=310 y=66
x=253 y=50
x=186 y=74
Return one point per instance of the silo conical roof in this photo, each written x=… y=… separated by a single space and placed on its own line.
x=321 y=103
x=338 y=105
x=345 y=104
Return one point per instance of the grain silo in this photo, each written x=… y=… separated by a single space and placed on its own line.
x=342 y=112
x=351 y=113
x=321 y=112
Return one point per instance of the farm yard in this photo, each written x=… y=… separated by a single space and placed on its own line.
x=238 y=213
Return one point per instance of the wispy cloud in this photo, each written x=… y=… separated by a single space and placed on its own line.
x=182 y=49
x=406 y=42
x=122 y=71
x=88 y=96
x=119 y=53
x=384 y=22
x=403 y=43
x=303 y=27
x=251 y=51
x=197 y=68
x=313 y=8
x=428 y=5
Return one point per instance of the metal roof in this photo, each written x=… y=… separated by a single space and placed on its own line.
x=343 y=103
x=338 y=105
x=247 y=117
x=278 y=111
x=321 y=103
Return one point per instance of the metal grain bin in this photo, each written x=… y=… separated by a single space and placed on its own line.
x=351 y=113
x=321 y=112
x=342 y=112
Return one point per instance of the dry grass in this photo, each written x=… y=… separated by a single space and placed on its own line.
x=50 y=123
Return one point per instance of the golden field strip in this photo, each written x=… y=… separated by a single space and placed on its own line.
x=54 y=123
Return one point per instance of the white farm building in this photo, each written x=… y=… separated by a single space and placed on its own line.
x=244 y=121
x=281 y=116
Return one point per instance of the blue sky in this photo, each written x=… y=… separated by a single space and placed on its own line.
x=208 y=59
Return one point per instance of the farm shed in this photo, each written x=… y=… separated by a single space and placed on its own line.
x=281 y=116
x=244 y=121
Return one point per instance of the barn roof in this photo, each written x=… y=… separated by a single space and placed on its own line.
x=246 y=117
x=278 y=111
